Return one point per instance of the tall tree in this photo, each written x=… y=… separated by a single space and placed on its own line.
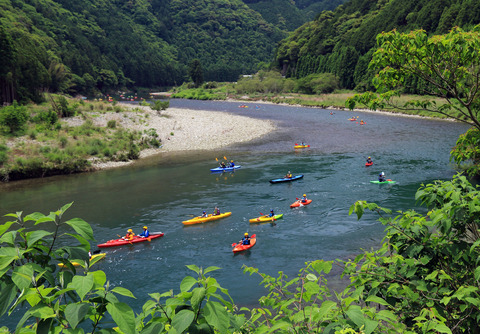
x=7 y=65
x=196 y=72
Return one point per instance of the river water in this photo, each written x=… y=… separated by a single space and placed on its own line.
x=162 y=191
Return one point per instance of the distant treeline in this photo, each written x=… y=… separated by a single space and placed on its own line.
x=342 y=41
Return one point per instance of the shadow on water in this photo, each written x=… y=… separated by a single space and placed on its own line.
x=162 y=191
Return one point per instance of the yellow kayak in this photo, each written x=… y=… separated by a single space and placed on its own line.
x=76 y=264
x=265 y=218
x=210 y=217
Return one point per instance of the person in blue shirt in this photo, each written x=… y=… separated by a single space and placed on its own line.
x=381 y=177
x=232 y=164
x=246 y=239
x=204 y=214
x=271 y=213
x=304 y=198
x=145 y=233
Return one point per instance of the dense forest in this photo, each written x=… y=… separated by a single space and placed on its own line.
x=91 y=46
x=342 y=41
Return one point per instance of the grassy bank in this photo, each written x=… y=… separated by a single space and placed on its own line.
x=64 y=136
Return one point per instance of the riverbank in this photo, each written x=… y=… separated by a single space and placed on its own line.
x=185 y=130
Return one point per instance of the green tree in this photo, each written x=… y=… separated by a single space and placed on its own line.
x=7 y=67
x=195 y=72
x=13 y=118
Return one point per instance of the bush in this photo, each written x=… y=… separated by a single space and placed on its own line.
x=112 y=124
x=13 y=118
x=48 y=117
x=3 y=154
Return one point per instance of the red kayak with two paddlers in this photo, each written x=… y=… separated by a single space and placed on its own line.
x=136 y=239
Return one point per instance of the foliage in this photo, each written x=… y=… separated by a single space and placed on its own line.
x=306 y=305
x=466 y=152
x=427 y=268
x=322 y=83
x=341 y=41
x=159 y=105
x=448 y=65
x=195 y=72
x=13 y=118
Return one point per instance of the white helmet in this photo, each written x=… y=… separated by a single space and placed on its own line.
x=382 y=173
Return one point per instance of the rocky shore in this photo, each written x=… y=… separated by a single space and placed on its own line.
x=184 y=129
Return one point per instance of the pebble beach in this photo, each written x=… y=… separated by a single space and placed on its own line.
x=185 y=129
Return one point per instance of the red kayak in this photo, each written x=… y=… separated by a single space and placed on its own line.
x=240 y=248
x=368 y=164
x=120 y=242
x=298 y=203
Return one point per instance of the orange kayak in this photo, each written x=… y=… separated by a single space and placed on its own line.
x=240 y=248
x=298 y=203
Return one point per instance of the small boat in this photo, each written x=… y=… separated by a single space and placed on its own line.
x=136 y=239
x=384 y=182
x=368 y=164
x=352 y=119
x=266 y=218
x=226 y=169
x=300 y=145
x=299 y=203
x=76 y=264
x=287 y=179
x=210 y=217
x=239 y=247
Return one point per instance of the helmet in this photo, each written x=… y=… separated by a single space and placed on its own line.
x=145 y=227
x=246 y=233
x=129 y=230
x=369 y=157
x=204 y=212
x=231 y=160
x=271 y=210
x=304 y=195
x=288 y=172
x=383 y=173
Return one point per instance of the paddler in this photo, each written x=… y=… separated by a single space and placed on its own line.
x=232 y=164
x=271 y=213
x=304 y=198
x=145 y=233
x=381 y=177
x=222 y=164
x=369 y=160
x=289 y=175
x=204 y=214
x=129 y=235
x=216 y=211
x=246 y=239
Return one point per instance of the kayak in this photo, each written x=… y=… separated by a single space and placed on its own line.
x=298 y=203
x=76 y=264
x=121 y=242
x=210 y=217
x=240 y=248
x=301 y=146
x=368 y=164
x=226 y=169
x=265 y=218
x=384 y=182
x=287 y=179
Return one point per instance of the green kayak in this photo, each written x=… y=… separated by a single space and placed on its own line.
x=384 y=182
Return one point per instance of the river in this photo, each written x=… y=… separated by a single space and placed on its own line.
x=162 y=191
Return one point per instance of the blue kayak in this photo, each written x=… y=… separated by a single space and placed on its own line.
x=287 y=179
x=226 y=169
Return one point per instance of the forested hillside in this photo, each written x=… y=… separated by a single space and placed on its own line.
x=90 y=46
x=342 y=41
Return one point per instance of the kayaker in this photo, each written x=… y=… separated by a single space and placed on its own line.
x=216 y=211
x=271 y=213
x=369 y=160
x=304 y=199
x=222 y=164
x=246 y=239
x=145 y=233
x=129 y=235
x=232 y=164
x=381 y=177
x=289 y=175
x=204 y=215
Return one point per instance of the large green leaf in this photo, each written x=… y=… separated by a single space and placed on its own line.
x=7 y=256
x=22 y=276
x=187 y=283
x=5 y=226
x=355 y=314
x=82 y=284
x=123 y=316
x=197 y=297
x=153 y=328
x=216 y=316
x=75 y=313
x=81 y=227
x=182 y=320
x=34 y=236
x=123 y=291
x=99 y=278
x=9 y=292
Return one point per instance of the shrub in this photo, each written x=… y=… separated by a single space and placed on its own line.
x=112 y=124
x=3 y=154
x=49 y=117
x=13 y=118
x=63 y=141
